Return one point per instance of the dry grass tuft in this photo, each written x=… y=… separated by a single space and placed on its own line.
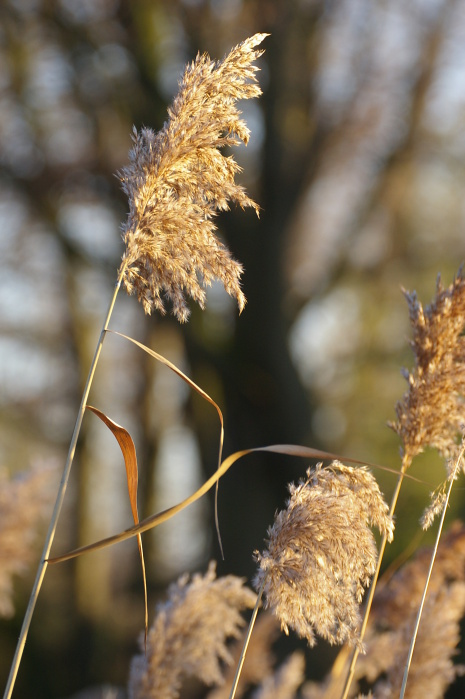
x=393 y=617
x=259 y=662
x=178 y=179
x=285 y=681
x=432 y=669
x=431 y=413
x=188 y=637
x=25 y=501
x=321 y=553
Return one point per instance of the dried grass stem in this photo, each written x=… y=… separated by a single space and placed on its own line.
x=247 y=639
x=59 y=500
x=371 y=593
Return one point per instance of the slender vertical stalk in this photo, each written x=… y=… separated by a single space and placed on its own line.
x=59 y=502
x=428 y=577
x=247 y=640
x=350 y=673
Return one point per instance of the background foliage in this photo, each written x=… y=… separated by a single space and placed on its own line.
x=356 y=158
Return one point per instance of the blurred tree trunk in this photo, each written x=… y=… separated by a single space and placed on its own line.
x=264 y=401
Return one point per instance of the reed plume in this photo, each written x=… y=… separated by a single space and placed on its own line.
x=177 y=181
x=431 y=413
x=259 y=663
x=189 y=634
x=25 y=500
x=432 y=669
x=285 y=681
x=393 y=616
x=391 y=622
x=321 y=553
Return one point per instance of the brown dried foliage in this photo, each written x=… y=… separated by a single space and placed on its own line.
x=393 y=618
x=285 y=681
x=189 y=635
x=259 y=661
x=178 y=180
x=431 y=413
x=25 y=501
x=321 y=553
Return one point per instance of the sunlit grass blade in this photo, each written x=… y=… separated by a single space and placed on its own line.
x=156 y=519
x=452 y=478
x=247 y=641
x=128 y=450
x=203 y=394
x=59 y=500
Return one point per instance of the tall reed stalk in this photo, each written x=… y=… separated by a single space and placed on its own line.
x=431 y=411
x=176 y=182
x=248 y=636
x=457 y=465
x=371 y=592
x=41 y=570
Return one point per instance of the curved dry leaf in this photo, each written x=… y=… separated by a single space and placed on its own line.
x=128 y=450
x=184 y=377
x=201 y=392
x=155 y=520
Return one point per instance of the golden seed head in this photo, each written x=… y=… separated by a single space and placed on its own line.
x=321 y=552
x=431 y=411
x=189 y=635
x=177 y=181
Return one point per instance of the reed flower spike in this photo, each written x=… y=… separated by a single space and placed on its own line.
x=393 y=617
x=321 y=553
x=189 y=635
x=178 y=179
x=24 y=503
x=431 y=412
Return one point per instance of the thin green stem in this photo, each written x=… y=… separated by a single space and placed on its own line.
x=428 y=577
x=247 y=639
x=350 y=673
x=58 y=503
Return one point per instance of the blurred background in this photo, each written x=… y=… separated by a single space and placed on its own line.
x=357 y=158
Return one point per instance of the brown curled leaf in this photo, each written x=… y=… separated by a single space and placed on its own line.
x=203 y=394
x=128 y=450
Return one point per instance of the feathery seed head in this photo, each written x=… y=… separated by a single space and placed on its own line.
x=432 y=669
x=189 y=634
x=440 y=496
x=177 y=181
x=321 y=552
x=431 y=411
x=24 y=502
x=285 y=681
x=393 y=617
